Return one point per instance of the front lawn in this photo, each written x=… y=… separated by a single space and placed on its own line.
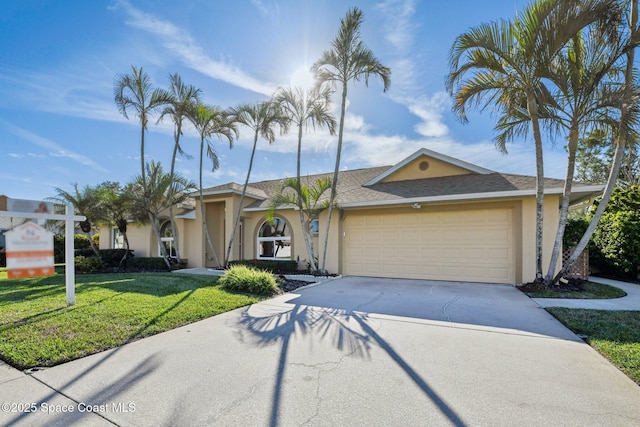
x=38 y=329
x=615 y=334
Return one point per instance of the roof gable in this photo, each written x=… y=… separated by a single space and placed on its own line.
x=424 y=164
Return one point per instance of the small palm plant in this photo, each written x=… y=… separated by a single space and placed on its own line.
x=310 y=200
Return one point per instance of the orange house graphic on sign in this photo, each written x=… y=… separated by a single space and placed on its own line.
x=29 y=251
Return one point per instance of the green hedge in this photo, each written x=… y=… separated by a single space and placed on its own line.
x=88 y=264
x=618 y=240
x=615 y=245
x=268 y=265
x=80 y=241
x=147 y=264
x=110 y=257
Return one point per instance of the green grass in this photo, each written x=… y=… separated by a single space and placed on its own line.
x=615 y=334
x=38 y=329
x=591 y=290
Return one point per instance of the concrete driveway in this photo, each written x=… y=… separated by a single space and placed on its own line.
x=353 y=351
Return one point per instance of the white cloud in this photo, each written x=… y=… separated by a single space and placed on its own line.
x=429 y=110
x=180 y=43
x=400 y=27
x=51 y=147
x=69 y=93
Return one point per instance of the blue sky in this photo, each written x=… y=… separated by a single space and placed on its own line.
x=59 y=124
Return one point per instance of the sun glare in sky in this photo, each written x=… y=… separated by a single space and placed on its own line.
x=302 y=77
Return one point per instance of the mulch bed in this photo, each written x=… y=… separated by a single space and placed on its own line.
x=572 y=285
x=291 y=285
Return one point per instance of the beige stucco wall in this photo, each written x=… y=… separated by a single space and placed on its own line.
x=220 y=216
x=436 y=168
x=551 y=219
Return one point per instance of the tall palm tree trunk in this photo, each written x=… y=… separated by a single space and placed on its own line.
x=174 y=228
x=305 y=227
x=564 y=207
x=244 y=191
x=203 y=210
x=156 y=229
x=142 y=166
x=611 y=183
x=125 y=239
x=334 y=184
x=532 y=108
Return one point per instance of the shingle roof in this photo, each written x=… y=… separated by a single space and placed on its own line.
x=351 y=188
x=235 y=188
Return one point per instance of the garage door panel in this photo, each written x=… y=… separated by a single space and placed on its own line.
x=472 y=245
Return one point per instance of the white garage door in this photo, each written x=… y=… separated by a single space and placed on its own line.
x=466 y=245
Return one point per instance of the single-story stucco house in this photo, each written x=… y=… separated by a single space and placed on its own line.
x=429 y=216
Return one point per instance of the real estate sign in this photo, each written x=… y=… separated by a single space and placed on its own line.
x=29 y=251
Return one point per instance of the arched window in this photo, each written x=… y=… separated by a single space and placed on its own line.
x=166 y=238
x=274 y=240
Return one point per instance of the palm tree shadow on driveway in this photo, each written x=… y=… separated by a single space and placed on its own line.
x=348 y=331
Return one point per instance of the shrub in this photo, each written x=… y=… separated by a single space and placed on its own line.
x=80 y=241
x=617 y=237
x=88 y=264
x=574 y=230
x=247 y=279
x=268 y=265
x=147 y=264
x=112 y=257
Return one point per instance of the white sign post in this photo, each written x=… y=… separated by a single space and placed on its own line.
x=69 y=219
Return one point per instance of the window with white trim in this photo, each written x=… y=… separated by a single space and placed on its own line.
x=274 y=240
x=118 y=239
x=166 y=238
x=314 y=227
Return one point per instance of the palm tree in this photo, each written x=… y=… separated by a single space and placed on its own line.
x=209 y=121
x=347 y=60
x=304 y=108
x=310 y=202
x=626 y=134
x=183 y=98
x=134 y=91
x=162 y=190
x=261 y=118
x=582 y=72
x=85 y=203
x=508 y=63
x=116 y=203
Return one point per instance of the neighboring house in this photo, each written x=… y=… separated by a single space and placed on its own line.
x=429 y=216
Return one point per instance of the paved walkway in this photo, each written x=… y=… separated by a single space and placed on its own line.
x=352 y=351
x=629 y=302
